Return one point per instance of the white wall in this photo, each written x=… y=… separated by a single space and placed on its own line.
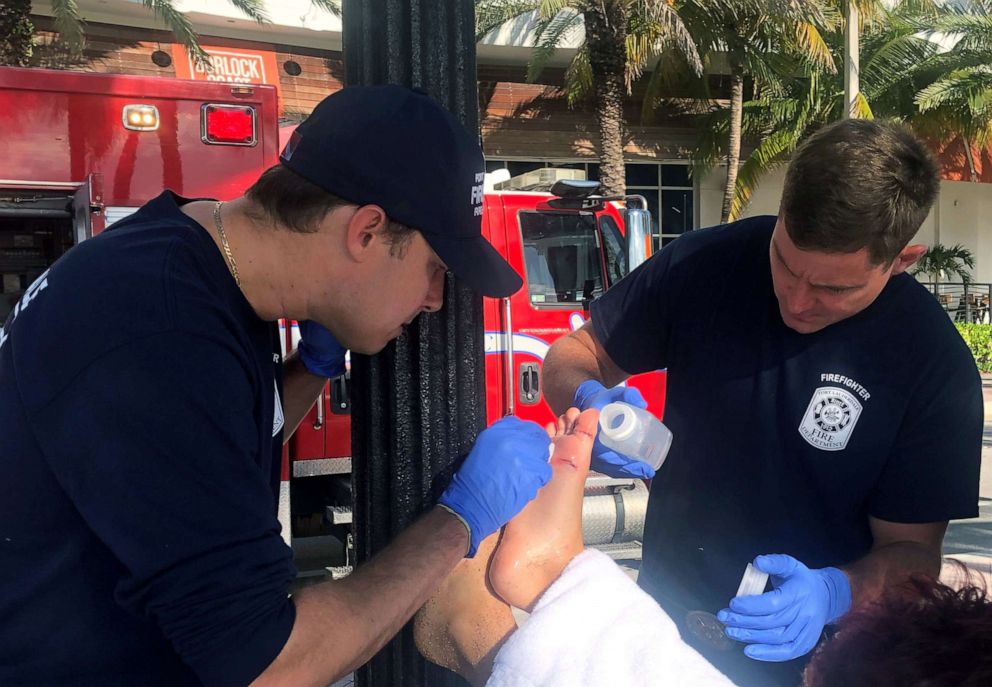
x=964 y=215
x=763 y=202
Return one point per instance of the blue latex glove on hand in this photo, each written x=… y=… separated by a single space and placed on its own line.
x=592 y=394
x=787 y=622
x=504 y=470
x=320 y=352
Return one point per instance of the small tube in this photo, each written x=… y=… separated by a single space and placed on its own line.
x=753 y=582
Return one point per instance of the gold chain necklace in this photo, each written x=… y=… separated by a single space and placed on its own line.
x=227 y=247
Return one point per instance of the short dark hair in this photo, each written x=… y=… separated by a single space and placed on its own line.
x=919 y=633
x=859 y=184
x=299 y=205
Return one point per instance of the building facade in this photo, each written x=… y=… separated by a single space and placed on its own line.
x=524 y=125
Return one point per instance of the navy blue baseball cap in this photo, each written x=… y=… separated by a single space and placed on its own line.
x=397 y=148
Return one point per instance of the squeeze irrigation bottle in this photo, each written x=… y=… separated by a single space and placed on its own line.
x=634 y=432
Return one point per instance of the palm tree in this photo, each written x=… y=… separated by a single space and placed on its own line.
x=897 y=61
x=622 y=39
x=940 y=261
x=766 y=41
x=961 y=101
x=16 y=15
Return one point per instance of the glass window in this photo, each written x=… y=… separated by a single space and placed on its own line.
x=592 y=171
x=517 y=167
x=561 y=257
x=616 y=249
x=676 y=211
x=675 y=175
x=493 y=165
x=642 y=175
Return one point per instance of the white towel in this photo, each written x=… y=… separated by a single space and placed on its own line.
x=593 y=627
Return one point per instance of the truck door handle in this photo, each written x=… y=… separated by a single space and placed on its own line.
x=530 y=383
x=341 y=394
x=319 y=421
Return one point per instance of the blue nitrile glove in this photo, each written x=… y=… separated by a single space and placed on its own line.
x=592 y=394
x=787 y=622
x=320 y=352
x=504 y=470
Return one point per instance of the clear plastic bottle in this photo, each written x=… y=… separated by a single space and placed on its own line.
x=634 y=432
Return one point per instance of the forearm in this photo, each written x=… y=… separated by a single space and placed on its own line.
x=572 y=360
x=887 y=565
x=300 y=389
x=341 y=625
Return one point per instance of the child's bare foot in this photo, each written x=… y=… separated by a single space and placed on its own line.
x=464 y=624
x=539 y=542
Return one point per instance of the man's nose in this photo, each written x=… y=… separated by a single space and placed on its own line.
x=800 y=298
x=435 y=294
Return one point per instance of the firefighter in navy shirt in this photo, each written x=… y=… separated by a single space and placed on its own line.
x=142 y=411
x=825 y=411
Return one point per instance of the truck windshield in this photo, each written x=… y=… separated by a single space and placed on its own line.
x=561 y=256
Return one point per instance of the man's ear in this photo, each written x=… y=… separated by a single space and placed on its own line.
x=364 y=228
x=908 y=257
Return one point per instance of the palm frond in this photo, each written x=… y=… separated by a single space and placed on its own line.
x=969 y=89
x=671 y=75
x=181 y=28
x=813 y=46
x=671 y=32
x=974 y=30
x=254 y=9
x=891 y=60
x=492 y=14
x=550 y=33
x=551 y=8
x=331 y=6
x=711 y=140
x=69 y=24
x=862 y=108
x=578 y=77
x=770 y=153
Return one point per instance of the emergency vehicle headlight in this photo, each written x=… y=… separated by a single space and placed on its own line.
x=140 y=117
x=232 y=125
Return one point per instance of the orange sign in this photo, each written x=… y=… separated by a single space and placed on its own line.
x=228 y=65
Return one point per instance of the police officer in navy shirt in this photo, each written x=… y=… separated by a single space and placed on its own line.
x=143 y=410
x=824 y=409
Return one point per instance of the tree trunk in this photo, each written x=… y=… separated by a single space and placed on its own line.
x=734 y=142
x=606 y=36
x=969 y=155
x=16 y=32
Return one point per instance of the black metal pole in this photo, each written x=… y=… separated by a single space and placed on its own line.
x=418 y=405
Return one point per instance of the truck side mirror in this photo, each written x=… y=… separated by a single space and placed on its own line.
x=638 y=221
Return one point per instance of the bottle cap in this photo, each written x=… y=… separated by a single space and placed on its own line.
x=617 y=421
x=753 y=582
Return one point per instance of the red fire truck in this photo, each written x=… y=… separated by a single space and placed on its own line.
x=81 y=150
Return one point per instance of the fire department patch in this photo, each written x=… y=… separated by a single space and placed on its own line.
x=830 y=418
